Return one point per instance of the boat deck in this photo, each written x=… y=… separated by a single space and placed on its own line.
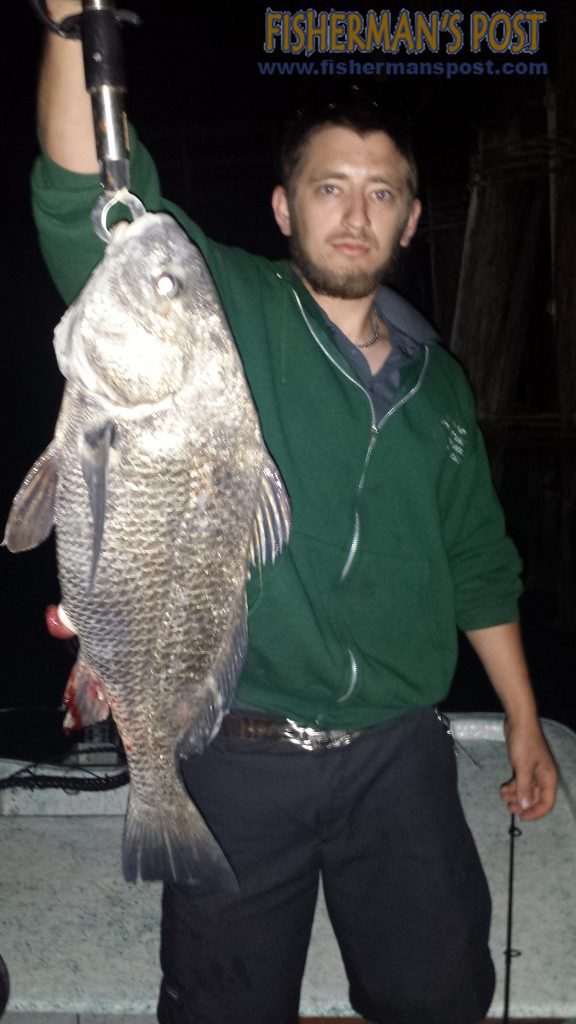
x=81 y=945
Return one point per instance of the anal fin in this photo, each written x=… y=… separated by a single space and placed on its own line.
x=218 y=686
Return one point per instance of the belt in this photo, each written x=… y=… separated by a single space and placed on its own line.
x=285 y=730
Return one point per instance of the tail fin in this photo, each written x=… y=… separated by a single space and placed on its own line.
x=173 y=844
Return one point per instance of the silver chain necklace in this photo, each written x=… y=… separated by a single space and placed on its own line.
x=376 y=335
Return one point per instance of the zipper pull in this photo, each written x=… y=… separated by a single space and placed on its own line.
x=374 y=431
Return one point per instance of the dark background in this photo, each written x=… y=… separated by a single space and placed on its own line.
x=212 y=121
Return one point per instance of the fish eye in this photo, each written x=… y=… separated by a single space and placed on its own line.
x=167 y=285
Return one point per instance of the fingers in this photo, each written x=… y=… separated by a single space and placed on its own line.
x=530 y=800
x=531 y=792
x=526 y=796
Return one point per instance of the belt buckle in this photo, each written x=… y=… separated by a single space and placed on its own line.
x=308 y=738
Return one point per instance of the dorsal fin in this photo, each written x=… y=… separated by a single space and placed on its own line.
x=272 y=520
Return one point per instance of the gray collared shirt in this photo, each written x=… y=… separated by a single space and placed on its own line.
x=381 y=386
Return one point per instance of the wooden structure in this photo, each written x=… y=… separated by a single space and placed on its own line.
x=512 y=310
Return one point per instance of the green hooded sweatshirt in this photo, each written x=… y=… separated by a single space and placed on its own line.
x=397 y=536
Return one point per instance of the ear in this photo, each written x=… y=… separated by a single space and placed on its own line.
x=411 y=223
x=281 y=210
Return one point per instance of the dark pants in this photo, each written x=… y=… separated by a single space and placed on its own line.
x=405 y=890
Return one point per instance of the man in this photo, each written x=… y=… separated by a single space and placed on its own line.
x=333 y=759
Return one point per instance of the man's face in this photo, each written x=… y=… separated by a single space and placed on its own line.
x=349 y=211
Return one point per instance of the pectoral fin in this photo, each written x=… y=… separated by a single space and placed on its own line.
x=33 y=509
x=95 y=458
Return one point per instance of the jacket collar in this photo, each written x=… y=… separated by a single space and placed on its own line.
x=408 y=324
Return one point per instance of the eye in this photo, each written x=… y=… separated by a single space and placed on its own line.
x=167 y=285
x=328 y=190
x=382 y=195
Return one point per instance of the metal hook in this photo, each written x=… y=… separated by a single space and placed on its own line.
x=105 y=203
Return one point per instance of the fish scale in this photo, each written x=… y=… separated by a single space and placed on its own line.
x=163 y=493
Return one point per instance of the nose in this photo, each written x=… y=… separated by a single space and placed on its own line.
x=356 y=212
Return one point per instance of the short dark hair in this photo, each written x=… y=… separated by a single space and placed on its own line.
x=353 y=108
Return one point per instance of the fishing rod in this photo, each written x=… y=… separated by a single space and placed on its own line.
x=4 y=986
x=510 y=953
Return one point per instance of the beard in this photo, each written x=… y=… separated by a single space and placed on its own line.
x=340 y=284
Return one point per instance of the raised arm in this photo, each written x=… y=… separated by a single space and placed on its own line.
x=65 y=178
x=64 y=107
